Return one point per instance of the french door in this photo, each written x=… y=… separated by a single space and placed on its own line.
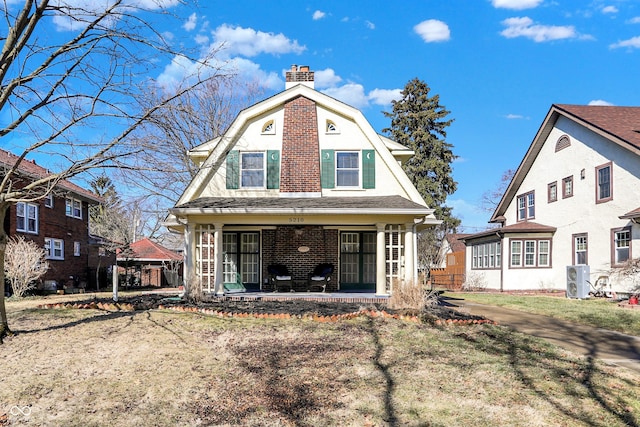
x=241 y=258
x=358 y=261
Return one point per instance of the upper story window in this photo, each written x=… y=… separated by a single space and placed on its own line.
x=73 y=207
x=269 y=127
x=567 y=187
x=331 y=127
x=552 y=192
x=48 y=201
x=604 y=184
x=526 y=206
x=252 y=170
x=54 y=248
x=27 y=217
x=347 y=169
x=621 y=245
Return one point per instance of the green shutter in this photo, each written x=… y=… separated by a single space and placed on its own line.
x=273 y=169
x=328 y=169
x=233 y=170
x=368 y=169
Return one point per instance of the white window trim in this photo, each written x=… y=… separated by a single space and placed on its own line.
x=48 y=201
x=349 y=187
x=264 y=170
x=50 y=248
x=25 y=209
x=70 y=207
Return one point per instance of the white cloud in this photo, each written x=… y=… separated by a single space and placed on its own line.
x=350 y=93
x=433 y=30
x=515 y=4
x=249 y=42
x=384 y=96
x=600 y=102
x=201 y=39
x=631 y=43
x=635 y=20
x=609 y=9
x=514 y=116
x=370 y=25
x=318 y=14
x=326 y=78
x=191 y=22
x=524 y=27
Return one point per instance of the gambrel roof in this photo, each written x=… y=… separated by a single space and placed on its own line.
x=620 y=125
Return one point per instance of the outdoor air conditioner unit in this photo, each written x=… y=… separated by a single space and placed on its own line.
x=578 y=281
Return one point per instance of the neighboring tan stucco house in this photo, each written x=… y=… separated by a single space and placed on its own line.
x=573 y=201
x=301 y=179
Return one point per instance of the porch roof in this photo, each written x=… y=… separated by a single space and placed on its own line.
x=298 y=205
x=519 y=227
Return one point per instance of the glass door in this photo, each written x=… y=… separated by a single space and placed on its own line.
x=358 y=261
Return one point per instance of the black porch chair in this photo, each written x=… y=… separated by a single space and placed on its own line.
x=320 y=276
x=279 y=277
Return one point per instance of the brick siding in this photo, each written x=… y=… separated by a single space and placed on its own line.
x=280 y=246
x=300 y=164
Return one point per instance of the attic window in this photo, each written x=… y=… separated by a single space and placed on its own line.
x=331 y=127
x=269 y=128
x=563 y=142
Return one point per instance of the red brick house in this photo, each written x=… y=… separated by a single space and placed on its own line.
x=151 y=264
x=301 y=180
x=59 y=223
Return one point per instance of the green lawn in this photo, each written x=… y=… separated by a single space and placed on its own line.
x=598 y=312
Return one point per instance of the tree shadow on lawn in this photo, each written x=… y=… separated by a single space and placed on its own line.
x=96 y=317
x=530 y=359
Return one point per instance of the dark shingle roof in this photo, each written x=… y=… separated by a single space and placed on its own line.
x=621 y=122
x=381 y=203
x=146 y=249
x=518 y=227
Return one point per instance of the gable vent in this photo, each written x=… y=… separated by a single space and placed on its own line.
x=562 y=143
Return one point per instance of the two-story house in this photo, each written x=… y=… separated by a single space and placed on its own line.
x=59 y=223
x=301 y=179
x=571 y=207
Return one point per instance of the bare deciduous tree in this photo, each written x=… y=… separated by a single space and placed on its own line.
x=490 y=198
x=24 y=263
x=71 y=77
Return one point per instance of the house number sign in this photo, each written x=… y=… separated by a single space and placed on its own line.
x=296 y=219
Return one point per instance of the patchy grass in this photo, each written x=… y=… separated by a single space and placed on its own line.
x=598 y=312
x=164 y=368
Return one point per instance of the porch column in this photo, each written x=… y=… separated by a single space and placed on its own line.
x=381 y=260
x=409 y=254
x=218 y=260
x=189 y=256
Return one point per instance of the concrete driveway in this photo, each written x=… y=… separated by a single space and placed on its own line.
x=611 y=347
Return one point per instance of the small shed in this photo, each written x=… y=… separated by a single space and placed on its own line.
x=147 y=263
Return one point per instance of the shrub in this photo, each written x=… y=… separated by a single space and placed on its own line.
x=24 y=264
x=411 y=296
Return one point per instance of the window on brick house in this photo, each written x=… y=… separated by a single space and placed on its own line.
x=331 y=127
x=27 y=217
x=54 y=248
x=76 y=248
x=48 y=201
x=252 y=167
x=269 y=128
x=73 y=207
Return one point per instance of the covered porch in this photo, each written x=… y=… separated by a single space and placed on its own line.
x=371 y=245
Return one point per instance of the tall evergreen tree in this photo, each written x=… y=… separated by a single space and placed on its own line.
x=419 y=122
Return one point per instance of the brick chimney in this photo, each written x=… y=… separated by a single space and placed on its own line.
x=299 y=75
x=300 y=163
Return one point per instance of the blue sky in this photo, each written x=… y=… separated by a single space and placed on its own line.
x=497 y=65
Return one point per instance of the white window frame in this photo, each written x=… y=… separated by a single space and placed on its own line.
x=28 y=212
x=357 y=169
x=580 y=245
x=54 y=248
x=76 y=248
x=526 y=206
x=48 y=201
x=73 y=207
x=527 y=253
x=263 y=169
x=486 y=256
x=621 y=242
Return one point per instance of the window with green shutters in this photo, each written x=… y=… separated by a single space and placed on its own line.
x=342 y=168
x=247 y=170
